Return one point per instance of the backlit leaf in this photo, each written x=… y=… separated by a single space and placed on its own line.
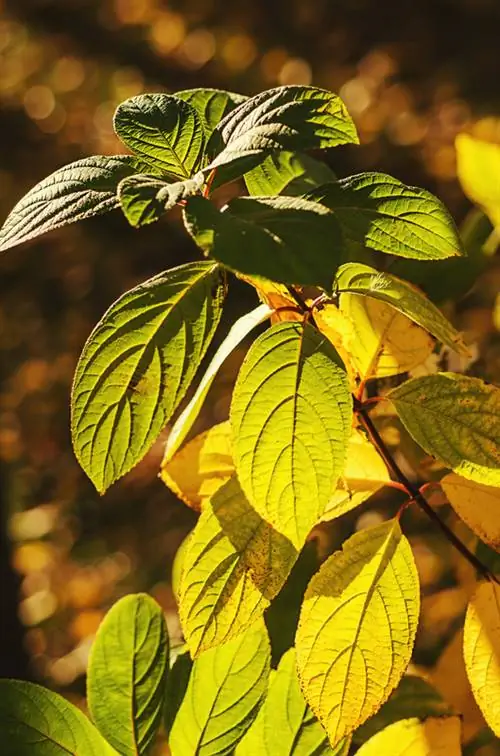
x=482 y=650
x=411 y=737
x=279 y=238
x=287 y=173
x=477 y=505
x=291 y=415
x=72 y=193
x=456 y=419
x=357 y=628
x=126 y=674
x=211 y=105
x=478 y=170
x=234 y=564
x=137 y=365
x=163 y=130
x=144 y=199
x=382 y=213
x=226 y=687
x=35 y=721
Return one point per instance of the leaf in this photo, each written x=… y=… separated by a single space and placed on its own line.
x=126 y=674
x=211 y=105
x=234 y=564
x=144 y=199
x=482 y=650
x=410 y=737
x=226 y=687
x=456 y=419
x=285 y=725
x=72 y=193
x=478 y=170
x=291 y=415
x=176 y=687
x=346 y=669
x=287 y=173
x=355 y=278
x=137 y=365
x=238 y=332
x=280 y=238
x=164 y=130
x=382 y=213
x=35 y=721
x=200 y=468
x=477 y=505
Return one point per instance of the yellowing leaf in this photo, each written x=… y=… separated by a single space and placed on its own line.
x=234 y=563
x=478 y=169
x=357 y=628
x=482 y=651
x=477 y=505
x=201 y=466
x=411 y=737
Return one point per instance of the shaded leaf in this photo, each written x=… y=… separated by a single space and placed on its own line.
x=346 y=669
x=477 y=505
x=410 y=737
x=291 y=415
x=137 y=365
x=287 y=173
x=144 y=199
x=456 y=419
x=211 y=105
x=478 y=170
x=176 y=687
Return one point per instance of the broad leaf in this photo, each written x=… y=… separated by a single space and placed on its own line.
x=35 y=721
x=234 y=564
x=357 y=628
x=285 y=724
x=477 y=505
x=411 y=737
x=211 y=105
x=126 y=674
x=176 y=687
x=163 y=130
x=225 y=690
x=382 y=213
x=287 y=173
x=478 y=170
x=137 y=365
x=482 y=650
x=238 y=332
x=77 y=191
x=355 y=278
x=456 y=419
x=291 y=415
x=144 y=199
x=280 y=238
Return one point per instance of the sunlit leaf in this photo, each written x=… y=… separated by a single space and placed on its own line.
x=456 y=419
x=226 y=687
x=291 y=415
x=289 y=173
x=144 y=199
x=478 y=170
x=482 y=650
x=137 y=365
x=477 y=505
x=234 y=564
x=411 y=737
x=126 y=674
x=279 y=238
x=357 y=628
x=77 y=191
x=382 y=213
x=35 y=721
x=211 y=105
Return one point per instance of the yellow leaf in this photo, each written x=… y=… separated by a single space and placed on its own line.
x=478 y=169
x=477 y=505
x=339 y=330
x=411 y=737
x=365 y=473
x=201 y=466
x=482 y=651
x=357 y=628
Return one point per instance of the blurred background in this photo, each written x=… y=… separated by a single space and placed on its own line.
x=413 y=75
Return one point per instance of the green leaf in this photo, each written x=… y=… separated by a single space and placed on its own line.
x=238 y=332
x=35 y=721
x=361 y=279
x=164 y=130
x=72 y=193
x=137 y=365
x=279 y=238
x=144 y=199
x=234 y=564
x=226 y=687
x=176 y=687
x=211 y=105
x=291 y=415
x=456 y=419
x=287 y=173
x=126 y=674
x=383 y=213
x=285 y=725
